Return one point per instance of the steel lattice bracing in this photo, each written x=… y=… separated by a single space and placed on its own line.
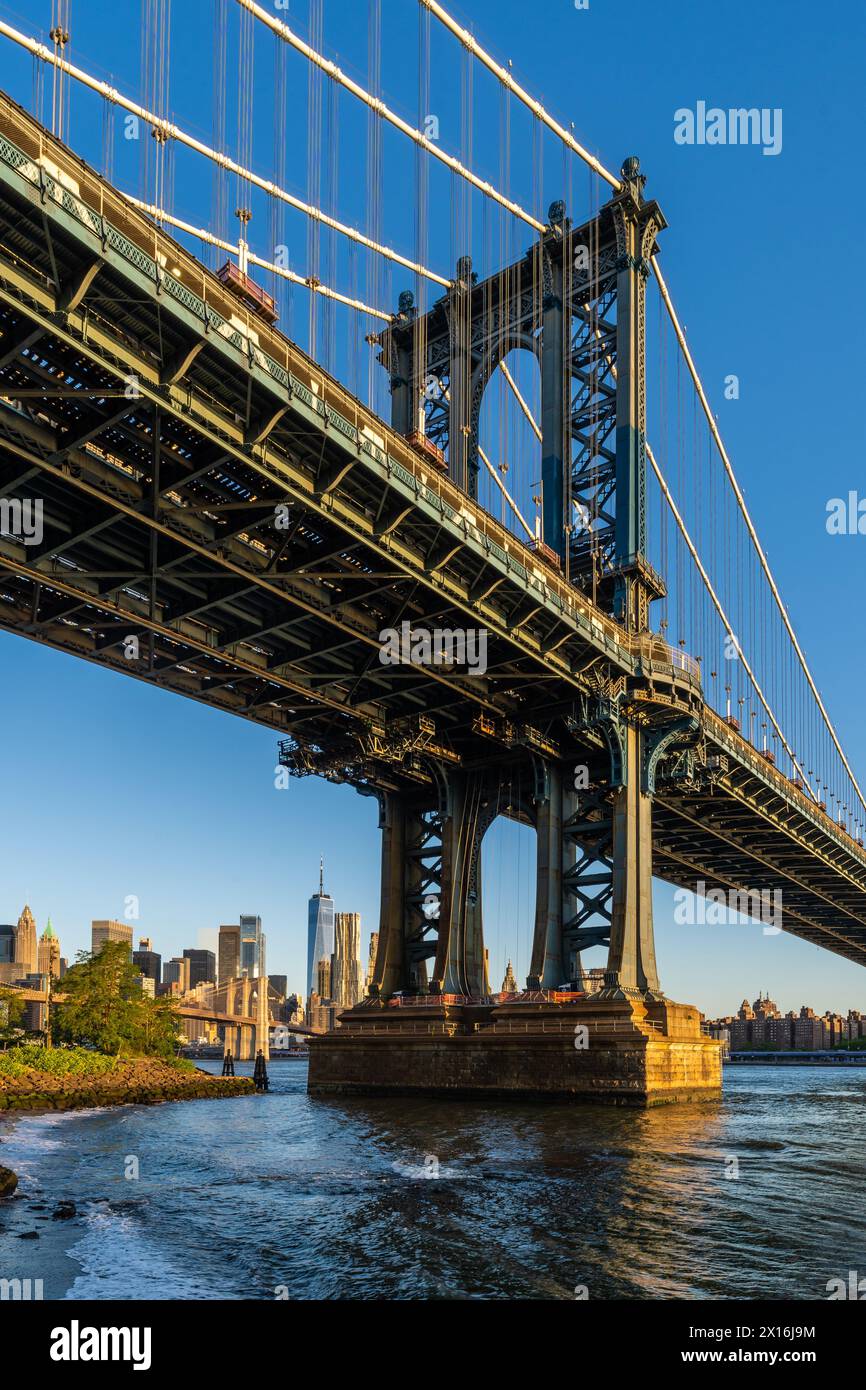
x=223 y=520
x=576 y=301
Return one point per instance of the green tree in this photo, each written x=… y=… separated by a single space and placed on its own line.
x=11 y=1014
x=106 y=1007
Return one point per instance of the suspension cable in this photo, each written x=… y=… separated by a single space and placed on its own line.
x=506 y=494
x=376 y=104
x=519 y=398
x=707 y=582
x=722 y=614
x=311 y=283
x=169 y=131
x=741 y=503
x=508 y=81
x=538 y=110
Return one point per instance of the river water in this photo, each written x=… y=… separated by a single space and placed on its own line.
x=759 y=1195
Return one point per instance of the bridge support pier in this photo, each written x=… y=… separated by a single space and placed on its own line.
x=261 y=1041
x=605 y=1035
x=246 y=1042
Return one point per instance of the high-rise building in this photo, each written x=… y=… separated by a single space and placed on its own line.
x=7 y=944
x=347 y=976
x=176 y=972
x=320 y=929
x=8 y=968
x=148 y=961
x=26 y=950
x=49 y=953
x=108 y=930
x=252 y=947
x=229 y=954
x=202 y=967
x=279 y=984
x=323 y=979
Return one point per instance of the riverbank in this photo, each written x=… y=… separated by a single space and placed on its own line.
x=44 y=1116
x=68 y=1080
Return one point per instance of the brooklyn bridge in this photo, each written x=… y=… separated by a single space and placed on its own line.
x=190 y=499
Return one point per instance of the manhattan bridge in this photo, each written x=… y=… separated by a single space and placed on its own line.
x=514 y=442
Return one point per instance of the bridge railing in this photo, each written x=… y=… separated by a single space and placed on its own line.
x=565 y=1025
x=509 y=1025
x=748 y=753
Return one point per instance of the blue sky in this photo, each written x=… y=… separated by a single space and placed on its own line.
x=114 y=789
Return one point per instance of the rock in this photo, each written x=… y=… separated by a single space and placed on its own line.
x=64 y=1211
x=28 y=1235
x=8 y=1182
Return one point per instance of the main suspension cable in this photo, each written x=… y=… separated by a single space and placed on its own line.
x=282 y=30
x=169 y=131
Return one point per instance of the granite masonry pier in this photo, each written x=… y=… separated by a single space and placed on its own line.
x=619 y=1051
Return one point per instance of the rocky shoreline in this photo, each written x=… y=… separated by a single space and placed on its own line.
x=41 y=1222
x=143 y=1081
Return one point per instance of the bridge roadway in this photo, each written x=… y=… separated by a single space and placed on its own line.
x=164 y=427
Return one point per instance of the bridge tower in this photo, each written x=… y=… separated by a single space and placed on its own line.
x=576 y=301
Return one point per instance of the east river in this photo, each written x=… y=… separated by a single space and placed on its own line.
x=759 y=1195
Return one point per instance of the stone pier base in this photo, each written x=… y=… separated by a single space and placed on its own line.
x=617 y=1050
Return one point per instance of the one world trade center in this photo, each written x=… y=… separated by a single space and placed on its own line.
x=320 y=930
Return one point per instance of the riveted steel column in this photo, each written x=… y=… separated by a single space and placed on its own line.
x=553 y=402
x=636 y=223
x=389 y=967
x=460 y=405
x=460 y=966
x=631 y=959
x=547 y=968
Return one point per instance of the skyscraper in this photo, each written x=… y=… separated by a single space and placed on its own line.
x=26 y=952
x=176 y=972
x=8 y=968
x=49 y=953
x=108 y=930
x=7 y=944
x=252 y=947
x=320 y=929
x=323 y=978
x=229 y=954
x=148 y=961
x=347 y=976
x=202 y=967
